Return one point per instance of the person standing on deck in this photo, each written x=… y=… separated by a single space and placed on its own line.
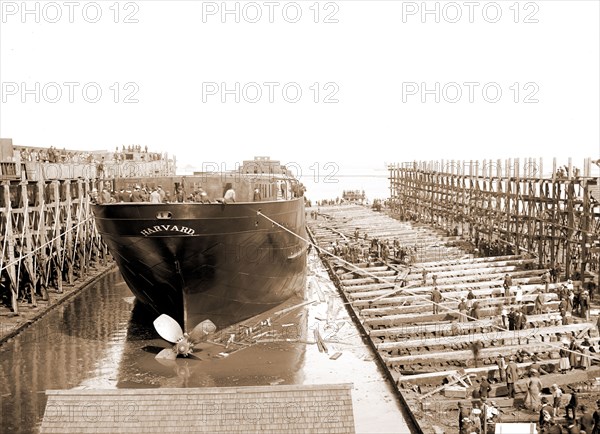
x=519 y=295
x=462 y=307
x=512 y=375
x=136 y=195
x=557 y=394
x=546 y=281
x=229 y=196
x=257 y=196
x=162 y=193
x=501 y=362
x=507 y=284
x=154 y=196
x=539 y=303
x=436 y=298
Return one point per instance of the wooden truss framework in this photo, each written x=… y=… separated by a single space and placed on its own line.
x=554 y=218
x=46 y=229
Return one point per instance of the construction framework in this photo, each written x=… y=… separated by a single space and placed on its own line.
x=555 y=217
x=47 y=236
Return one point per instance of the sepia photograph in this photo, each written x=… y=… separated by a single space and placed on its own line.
x=310 y=216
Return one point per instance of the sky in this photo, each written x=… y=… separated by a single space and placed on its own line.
x=334 y=87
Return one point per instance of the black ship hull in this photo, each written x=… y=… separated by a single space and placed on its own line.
x=197 y=261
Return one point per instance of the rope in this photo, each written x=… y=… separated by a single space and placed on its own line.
x=412 y=293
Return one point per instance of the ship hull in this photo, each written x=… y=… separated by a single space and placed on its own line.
x=196 y=261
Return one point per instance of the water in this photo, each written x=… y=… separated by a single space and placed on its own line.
x=102 y=339
x=71 y=344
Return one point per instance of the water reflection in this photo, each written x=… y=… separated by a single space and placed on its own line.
x=60 y=351
x=103 y=339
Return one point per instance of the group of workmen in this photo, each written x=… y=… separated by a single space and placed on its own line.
x=482 y=416
x=361 y=249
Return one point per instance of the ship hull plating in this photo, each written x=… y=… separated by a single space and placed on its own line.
x=220 y=262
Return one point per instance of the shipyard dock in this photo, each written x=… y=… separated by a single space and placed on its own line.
x=425 y=280
x=407 y=306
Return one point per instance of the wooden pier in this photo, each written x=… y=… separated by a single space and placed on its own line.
x=47 y=232
x=426 y=347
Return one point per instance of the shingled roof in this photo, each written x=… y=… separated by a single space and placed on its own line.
x=265 y=409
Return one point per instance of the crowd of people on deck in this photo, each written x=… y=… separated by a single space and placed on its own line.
x=157 y=195
x=55 y=155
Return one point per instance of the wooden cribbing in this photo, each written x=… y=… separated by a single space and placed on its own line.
x=403 y=318
x=496 y=335
x=444 y=328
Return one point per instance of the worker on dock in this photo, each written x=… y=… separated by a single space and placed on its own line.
x=507 y=284
x=512 y=375
x=545 y=278
x=571 y=408
x=436 y=298
x=462 y=308
x=501 y=363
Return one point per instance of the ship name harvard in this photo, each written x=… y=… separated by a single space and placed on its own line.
x=167 y=228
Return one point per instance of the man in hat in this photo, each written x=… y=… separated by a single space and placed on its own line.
x=571 y=407
x=512 y=375
x=136 y=195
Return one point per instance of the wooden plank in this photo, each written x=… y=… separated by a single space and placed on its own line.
x=513 y=335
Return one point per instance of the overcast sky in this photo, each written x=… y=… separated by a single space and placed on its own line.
x=511 y=79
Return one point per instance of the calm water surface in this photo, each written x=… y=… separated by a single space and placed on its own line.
x=101 y=339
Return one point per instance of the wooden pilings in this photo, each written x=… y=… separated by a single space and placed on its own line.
x=507 y=205
x=48 y=236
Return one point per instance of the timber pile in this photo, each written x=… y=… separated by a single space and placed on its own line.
x=420 y=345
